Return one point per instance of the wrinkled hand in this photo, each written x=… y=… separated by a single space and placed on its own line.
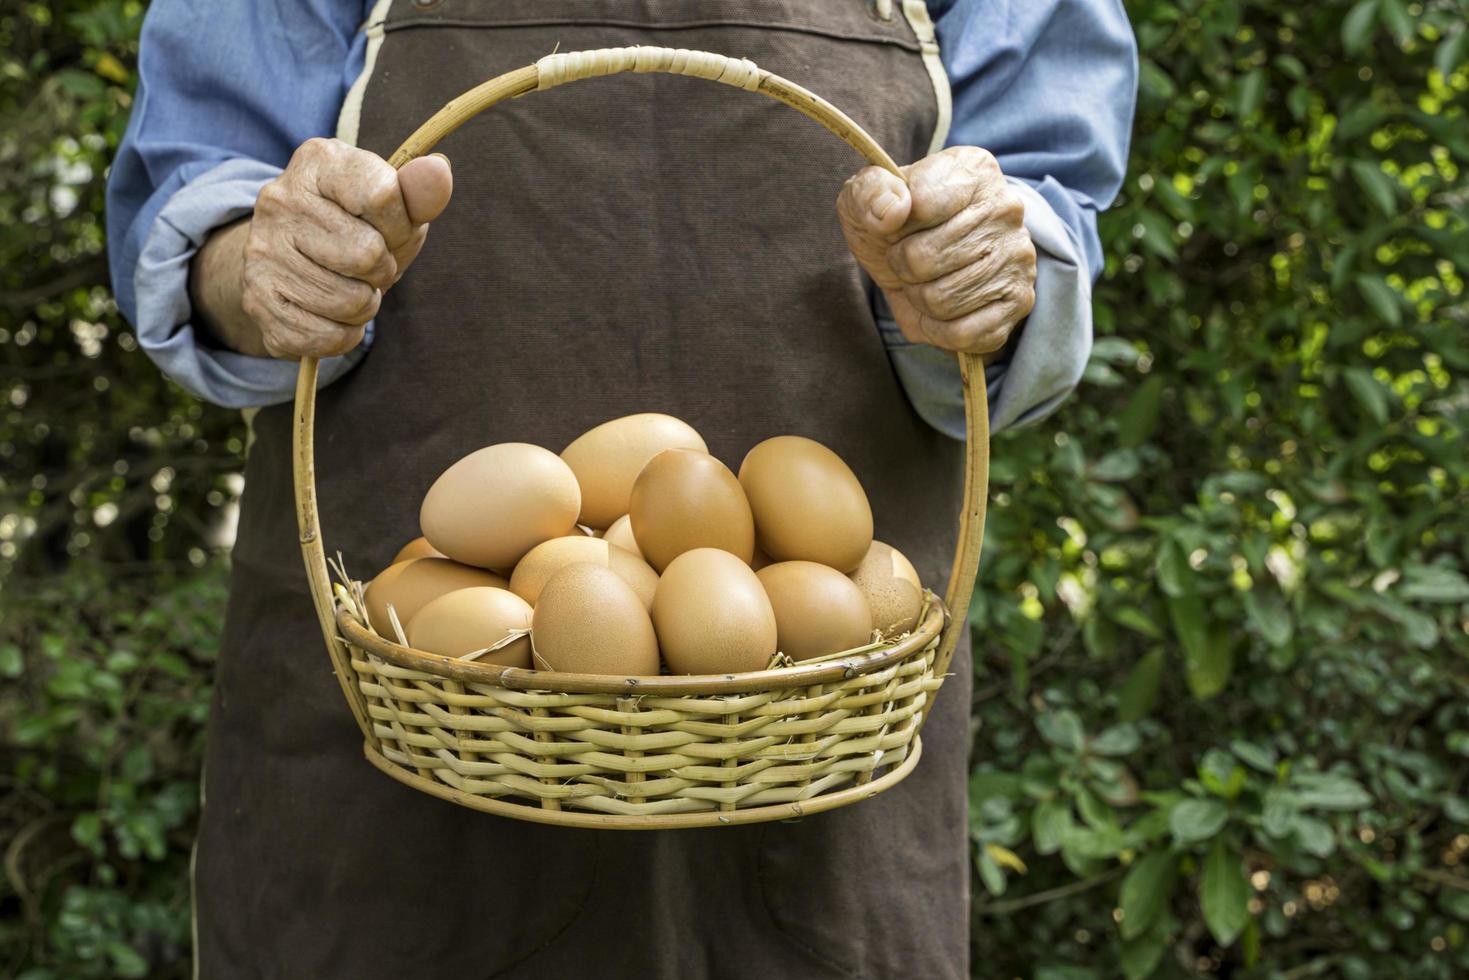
x=335 y=230
x=949 y=250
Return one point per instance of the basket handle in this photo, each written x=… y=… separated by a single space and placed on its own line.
x=559 y=69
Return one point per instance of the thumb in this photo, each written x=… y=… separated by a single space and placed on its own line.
x=875 y=202
x=426 y=184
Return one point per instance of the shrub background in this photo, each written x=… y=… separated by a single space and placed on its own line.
x=1221 y=719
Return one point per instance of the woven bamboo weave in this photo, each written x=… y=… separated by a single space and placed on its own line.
x=645 y=752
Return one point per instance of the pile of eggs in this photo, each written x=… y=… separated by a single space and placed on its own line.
x=635 y=550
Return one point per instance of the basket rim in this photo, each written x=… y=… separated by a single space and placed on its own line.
x=522 y=679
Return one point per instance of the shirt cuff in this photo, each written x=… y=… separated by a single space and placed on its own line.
x=224 y=377
x=1046 y=356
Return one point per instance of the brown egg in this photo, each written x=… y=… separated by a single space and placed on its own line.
x=620 y=534
x=807 y=503
x=589 y=621
x=409 y=585
x=417 y=548
x=549 y=557
x=499 y=502
x=607 y=459
x=471 y=619
x=891 y=586
x=684 y=500
x=712 y=615
x=817 y=609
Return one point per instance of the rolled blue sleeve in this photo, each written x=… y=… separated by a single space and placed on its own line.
x=226 y=91
x=1049 y=87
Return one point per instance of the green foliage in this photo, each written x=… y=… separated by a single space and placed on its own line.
x=107 y=684
x=1224 y=618
x=1244 y=545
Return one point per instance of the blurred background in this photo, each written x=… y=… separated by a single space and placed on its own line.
x=1222 y=698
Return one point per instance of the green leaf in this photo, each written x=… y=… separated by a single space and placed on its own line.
x=1376 y=185
x=1195 y=820
x=991 y=874
x=12 y=663
x=1254 y=756
x=1395 y=16
x=1116 y=467
x=1329 y=791
x=1369 y=392
x=1146 y=890
x=1251 y=93
x=1115 y=350
x=1117 y=740
x=1357 y=26
x=1158 y=235
x=1049 y=824
x=1224 y=893
x=1280 y=812
x=1382 y=298
x=1140 y=691
x=1139 y=957
x=1433 y=583
x=1135 y=619
x=1175 y=578
x=1269 y=615
x=1313 y=836
x=1450 y=51
x=1208 y=656
x=1061 y=728
x=1138 y=419
x=1154 y=81
x=126 y=961
x=1250 y=942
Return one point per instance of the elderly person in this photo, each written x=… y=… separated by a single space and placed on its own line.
x=640 y=243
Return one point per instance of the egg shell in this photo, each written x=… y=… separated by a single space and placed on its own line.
x=608 y=459
x=589 y=621
x=684 y=499
x=417 y=548
x=466 y=620
x=620 y=534
x=712 y=615
x=409 y=585
x=497 y=503
x=891 y=586
x=808 y=504
x=549 y=557
x=818 y=610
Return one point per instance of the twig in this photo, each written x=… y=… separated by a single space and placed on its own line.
x=91 y=272
x=1050 y=894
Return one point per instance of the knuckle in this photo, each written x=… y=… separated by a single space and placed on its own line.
x=917 y=259
x=272 y=196
x=936 y=298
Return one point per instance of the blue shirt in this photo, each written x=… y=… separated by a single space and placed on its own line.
x=1048 y=86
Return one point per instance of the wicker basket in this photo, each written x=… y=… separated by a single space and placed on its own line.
x=645 y=752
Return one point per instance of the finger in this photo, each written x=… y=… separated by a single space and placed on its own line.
x=332 y=238
x=426 y=185
x=872 y=205
x=944 y=183
x=293 y=333
x=982 y=332
x=366 y=186
x=996 y=278
x=874 y=201
x=970 y=236
x=328 y=294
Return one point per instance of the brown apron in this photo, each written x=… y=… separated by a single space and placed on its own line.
x=633 y=244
